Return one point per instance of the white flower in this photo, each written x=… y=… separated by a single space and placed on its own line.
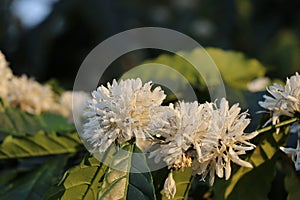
x=258 y=84
x=120 y=112
x=30 y=96
x=214 y=136
x=284 y=100
x=6 y=72
x=24 y=93
x=294 y=154
x=170 y=186
x=203 y=168
x=292 y=87
x=227 y=128
x=5 y=76
x=73 y=99
x=181 y=127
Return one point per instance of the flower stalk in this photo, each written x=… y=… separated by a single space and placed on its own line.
x=279 y=125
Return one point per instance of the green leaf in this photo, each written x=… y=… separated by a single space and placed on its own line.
x=34 y=184
x=7 y=174
x=263 y=160
x=52 y=122
x=140 y=184
x=184 y=180
x=94 y=180
x=127 y=176
x=235 y=68
x=291 y=182
x=292 y=185
x=79 y=182
x=40 y=144
x=16 y=122
x=261 y=178
x=180 y=79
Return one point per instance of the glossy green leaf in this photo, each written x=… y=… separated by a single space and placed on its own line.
x=79 y=182
x=184 y=180
x=236 y=69
x=117 y=180
x=7 y=174
x=292 y=182
x=33 y=185
x=128 y=176
x=16 y=122
x=94 y=180
x=40 y=144
x=140 y=184
x=261 y=178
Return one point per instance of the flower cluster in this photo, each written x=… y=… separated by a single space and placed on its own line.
x=5 y=76
x=285 y=100
x=120 y=112
x=225 y=142
x=206 y=137
x=23 y=92
x=32 y=97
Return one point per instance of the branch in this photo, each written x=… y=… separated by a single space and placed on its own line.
x=281 y=124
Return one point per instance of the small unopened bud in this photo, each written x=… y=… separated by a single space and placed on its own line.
x=170 y=186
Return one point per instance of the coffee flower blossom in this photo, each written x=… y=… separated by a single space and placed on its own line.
x=181 y=127
x=5 y=76
x=206 y=137
x=294 y=153
x=284 y=100
x=119 y=112
x=30 y=96
x=25 y=93
x=227 y=128
x=170 y=186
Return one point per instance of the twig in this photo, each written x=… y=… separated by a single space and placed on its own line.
x=281 y=124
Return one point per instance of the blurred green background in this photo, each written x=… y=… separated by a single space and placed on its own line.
x=50 y=38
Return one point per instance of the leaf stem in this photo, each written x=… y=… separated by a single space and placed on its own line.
x=281 y=124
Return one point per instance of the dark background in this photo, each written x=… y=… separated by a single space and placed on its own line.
x=51 y=42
